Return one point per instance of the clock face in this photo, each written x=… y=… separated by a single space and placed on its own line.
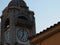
x=7 y=36
x=22 y=35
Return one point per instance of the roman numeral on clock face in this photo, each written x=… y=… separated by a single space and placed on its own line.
x=22 y=35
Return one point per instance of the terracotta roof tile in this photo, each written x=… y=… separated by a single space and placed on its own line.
x=44 y=31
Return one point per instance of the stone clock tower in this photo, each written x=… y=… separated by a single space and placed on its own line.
x=17 y=24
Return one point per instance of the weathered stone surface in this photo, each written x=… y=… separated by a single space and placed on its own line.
x=16 y=16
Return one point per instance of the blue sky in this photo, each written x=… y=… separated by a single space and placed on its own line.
x=47 y=12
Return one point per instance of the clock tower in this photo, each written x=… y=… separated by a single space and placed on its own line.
x=18 y=24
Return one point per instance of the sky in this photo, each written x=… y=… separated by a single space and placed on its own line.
x=47 y=12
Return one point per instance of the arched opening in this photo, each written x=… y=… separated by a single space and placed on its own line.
x=7 y=44
x=7 y=23
x=22 y=17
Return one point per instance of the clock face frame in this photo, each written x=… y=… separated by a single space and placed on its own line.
x=22 y=34
x=7 y=36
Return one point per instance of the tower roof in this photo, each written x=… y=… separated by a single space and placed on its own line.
x=17 y=3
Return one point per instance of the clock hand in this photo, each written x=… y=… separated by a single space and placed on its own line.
x=22 y=34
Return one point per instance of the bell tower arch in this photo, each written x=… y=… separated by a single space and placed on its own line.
x=18 y=23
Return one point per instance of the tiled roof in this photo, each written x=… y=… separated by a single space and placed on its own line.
x=49 y=30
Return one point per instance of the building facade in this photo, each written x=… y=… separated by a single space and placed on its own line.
x=17 y=24
x=18 y=27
